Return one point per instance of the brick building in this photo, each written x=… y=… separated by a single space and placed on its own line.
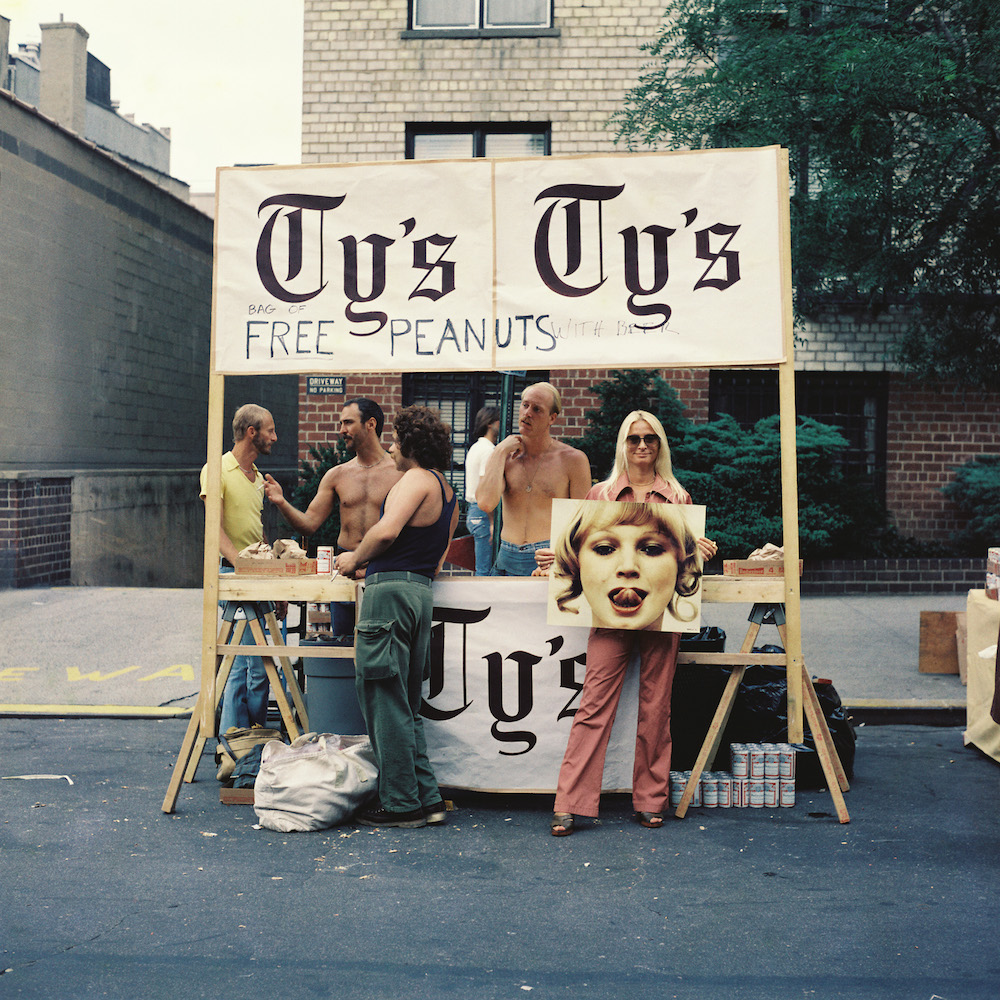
x=388 y=79
x=105 y=317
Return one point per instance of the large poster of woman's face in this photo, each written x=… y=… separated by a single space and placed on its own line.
x=626 y=565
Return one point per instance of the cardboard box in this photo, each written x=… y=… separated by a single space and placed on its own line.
x=939 y=647
x=275 y=567
x=754 y=567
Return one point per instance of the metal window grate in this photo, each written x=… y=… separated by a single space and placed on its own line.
x=459 y=397
x=855 y=402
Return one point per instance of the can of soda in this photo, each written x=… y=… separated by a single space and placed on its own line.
x=786 y=762
x=771 y=792
x=725 y=789
x=771 y=760
x=324 y=559
x=756 y=754
x=756 y=793
x=677 y=784
x=709 y=791
x=740 y=760
x=741 y=793
x=787 y=793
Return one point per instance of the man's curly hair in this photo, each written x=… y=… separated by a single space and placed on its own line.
x=424 y=437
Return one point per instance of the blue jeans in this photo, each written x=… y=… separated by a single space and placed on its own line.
x=244 y=700
x=517 y=560
x=478 y=523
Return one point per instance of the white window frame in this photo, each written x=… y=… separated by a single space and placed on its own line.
x=481 y=22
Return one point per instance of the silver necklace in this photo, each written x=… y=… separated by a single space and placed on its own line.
x=538 y=462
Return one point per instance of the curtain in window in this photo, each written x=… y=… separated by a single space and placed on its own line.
x=517 y=13
x=445 y=13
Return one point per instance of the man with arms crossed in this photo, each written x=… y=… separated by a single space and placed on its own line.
x=528 y=470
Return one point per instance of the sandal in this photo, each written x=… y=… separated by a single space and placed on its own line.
x=562 y=824
x=652 y=820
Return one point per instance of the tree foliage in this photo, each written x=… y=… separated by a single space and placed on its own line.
x=890 y=111
x=976 y=491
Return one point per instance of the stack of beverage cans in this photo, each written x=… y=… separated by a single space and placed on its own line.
x=761 y=776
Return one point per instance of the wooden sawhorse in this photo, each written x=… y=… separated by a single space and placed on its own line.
x=833 y=769
x=229 y=646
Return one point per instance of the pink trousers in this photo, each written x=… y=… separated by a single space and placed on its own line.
x=608 y=654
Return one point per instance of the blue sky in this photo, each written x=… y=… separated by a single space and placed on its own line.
x=225 y=76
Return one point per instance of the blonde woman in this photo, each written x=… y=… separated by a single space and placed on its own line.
x=642 y=474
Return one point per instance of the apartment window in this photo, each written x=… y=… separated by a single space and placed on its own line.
x=472 y=15
x=437 y=142
x=856 y=403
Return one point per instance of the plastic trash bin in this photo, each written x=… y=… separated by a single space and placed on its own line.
x=331 y=698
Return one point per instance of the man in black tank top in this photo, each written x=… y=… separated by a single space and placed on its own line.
x=404 y=551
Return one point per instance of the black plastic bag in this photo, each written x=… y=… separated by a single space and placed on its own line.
x=759 y=715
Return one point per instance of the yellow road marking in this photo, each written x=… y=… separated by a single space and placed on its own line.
x=137 y=710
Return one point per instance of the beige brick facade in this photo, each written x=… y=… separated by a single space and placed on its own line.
x=363 y=81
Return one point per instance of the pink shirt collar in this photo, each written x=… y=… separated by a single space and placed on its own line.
x=659 y=492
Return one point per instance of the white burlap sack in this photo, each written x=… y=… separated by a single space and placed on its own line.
x=315 y=782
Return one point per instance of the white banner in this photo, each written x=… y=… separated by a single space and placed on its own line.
x=503 y=687
x=651 y=260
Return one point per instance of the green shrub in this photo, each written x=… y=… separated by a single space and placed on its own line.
x=975 y=490
x=736 y=474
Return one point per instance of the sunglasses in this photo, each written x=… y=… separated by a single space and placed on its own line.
x=647 y=439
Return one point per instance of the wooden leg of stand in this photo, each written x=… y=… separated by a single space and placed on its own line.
x=223 y=666
x=711 y=745
x=718 y=725
x=289 y=673
x=275 y=681
x=183 y=757
x=826 y=750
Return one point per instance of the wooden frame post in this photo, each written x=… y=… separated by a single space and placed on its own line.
x=789 y=471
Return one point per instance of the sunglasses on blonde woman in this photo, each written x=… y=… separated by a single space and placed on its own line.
x=647 y=439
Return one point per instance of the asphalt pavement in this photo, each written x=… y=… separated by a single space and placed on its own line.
x=104 y=895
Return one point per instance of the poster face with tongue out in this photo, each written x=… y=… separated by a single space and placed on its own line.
x=626 y=565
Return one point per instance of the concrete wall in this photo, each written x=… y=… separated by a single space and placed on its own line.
x=105 y=320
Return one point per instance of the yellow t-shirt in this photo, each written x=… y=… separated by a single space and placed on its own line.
x=242 y=502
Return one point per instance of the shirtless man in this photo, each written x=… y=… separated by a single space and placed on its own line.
x=528 y=470
x=360 y=485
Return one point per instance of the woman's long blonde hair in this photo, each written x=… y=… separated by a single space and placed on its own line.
x=594 y=515
x=662 y=468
